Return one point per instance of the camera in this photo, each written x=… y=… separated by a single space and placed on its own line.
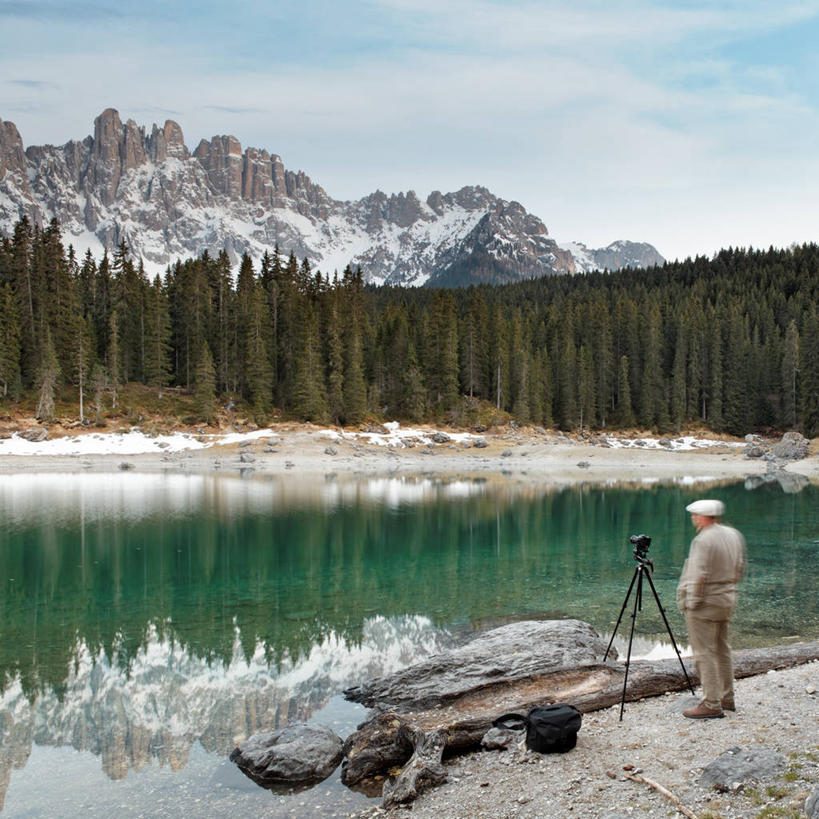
x=641 y=544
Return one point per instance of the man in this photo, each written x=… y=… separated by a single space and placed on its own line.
x=706 y=595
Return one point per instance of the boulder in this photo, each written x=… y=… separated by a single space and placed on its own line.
x=298 y=754
x=739 y=765
x=480 y=443
x=441 y=438
x=792 y=447
x=753 y=451
x=34 y=435
x=375 y=429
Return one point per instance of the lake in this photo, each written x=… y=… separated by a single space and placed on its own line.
x=150 y=623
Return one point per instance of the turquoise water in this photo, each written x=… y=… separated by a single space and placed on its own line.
x=149 y=623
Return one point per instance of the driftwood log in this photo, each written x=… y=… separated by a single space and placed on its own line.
x=459 y=719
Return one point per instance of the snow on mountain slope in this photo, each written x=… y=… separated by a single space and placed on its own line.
x=167 y=203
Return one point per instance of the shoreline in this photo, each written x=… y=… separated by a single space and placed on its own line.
x=532 y=458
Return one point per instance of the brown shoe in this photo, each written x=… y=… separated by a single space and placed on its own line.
x=728 y=704
x=702 y=711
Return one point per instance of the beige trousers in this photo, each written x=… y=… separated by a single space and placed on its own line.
x=712 y=657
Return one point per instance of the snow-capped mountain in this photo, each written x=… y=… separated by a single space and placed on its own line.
x=166 y=203
x=616 y=256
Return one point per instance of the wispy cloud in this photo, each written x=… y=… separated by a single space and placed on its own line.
x=59 y=11
x=230 y=109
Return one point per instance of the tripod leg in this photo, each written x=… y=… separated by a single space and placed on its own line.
x=668 y=629
x=622 y=609
x=639 y=575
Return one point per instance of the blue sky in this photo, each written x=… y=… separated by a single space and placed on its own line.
x=691 y=125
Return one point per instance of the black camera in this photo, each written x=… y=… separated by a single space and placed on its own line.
x=641 y=544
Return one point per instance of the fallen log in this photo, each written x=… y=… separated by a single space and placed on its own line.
x=462 y=718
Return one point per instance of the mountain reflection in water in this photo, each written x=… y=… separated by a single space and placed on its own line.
x=169 y=699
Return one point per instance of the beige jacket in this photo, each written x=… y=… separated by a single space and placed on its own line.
x=716 y=562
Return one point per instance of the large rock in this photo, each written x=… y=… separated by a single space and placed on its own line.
x=298 y=754
x=513 y=652
x=739 y=765
x=792 y=447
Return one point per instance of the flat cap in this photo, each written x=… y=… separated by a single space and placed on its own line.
x=709 y=508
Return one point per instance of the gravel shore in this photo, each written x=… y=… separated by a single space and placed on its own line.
x=777 y=711
x=524 y=456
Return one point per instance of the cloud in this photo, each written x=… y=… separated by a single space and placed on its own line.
x=34 y=85
x=227 y=109
x=58 y=11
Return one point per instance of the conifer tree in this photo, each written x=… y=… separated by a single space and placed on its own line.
x=157 y=336
x=258 y=372
x=568 y=382
x=651 y=386
x=23 y=284
x=335 y=367
x=585 y=387
x=10 y=377
x=678 y=382
x=790 y=376
x=414 y=404
x=204 y=395
x=625 y=412
x=48 y=376
x=309 y=400
x=473 y=347
x=82 y=357
x=113 y=362
x=99 y=382
x=355 y=388
x=809 y=373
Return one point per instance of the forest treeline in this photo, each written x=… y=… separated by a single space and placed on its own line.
x=731 y=342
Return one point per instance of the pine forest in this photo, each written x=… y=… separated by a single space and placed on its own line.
x=730 y=343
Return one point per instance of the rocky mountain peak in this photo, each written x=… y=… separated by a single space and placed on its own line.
x=12 y=155
x=149 y=190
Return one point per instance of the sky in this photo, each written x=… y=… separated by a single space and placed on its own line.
x=690 y=124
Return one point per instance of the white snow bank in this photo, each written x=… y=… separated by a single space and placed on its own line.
x=685 y=443
x=396 y=436
x=134 y=442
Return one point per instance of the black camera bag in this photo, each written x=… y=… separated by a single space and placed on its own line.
x=549 y=728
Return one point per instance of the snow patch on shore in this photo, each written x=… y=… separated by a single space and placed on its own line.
x=683 y=444
x=398 y=437
x=134 y=442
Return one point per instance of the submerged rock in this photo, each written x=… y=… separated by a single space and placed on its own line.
x=298 y=754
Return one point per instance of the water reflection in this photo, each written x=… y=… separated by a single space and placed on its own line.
x=170 y=699
x=148 y=620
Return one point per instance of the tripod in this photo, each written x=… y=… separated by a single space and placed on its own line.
x=643 y=569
